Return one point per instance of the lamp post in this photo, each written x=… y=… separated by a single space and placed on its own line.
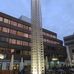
x=2 y=56
x=55 y=61
x=22 y=61
x=12 y=59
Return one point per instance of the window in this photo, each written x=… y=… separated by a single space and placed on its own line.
x=54 y=36
x=47 y=40
x=44 y=40
x=56 y=42
x=19 y=42
x=1 y=18
x=4 y=29
x=20 y=25
x=10 y=41
x=44 y=33
x=6 y=20
x=0 y=29
x=47 y=34
x=12 y=31
x=25 y=35
x=26 y=52
x=26 y=27
x=7 y=39
x=13 y=41
x=29 y=52
x=25 y=43
x=7 y=66
x=20 y=33
x=17 y=51
x=14 y=23
x=30 y=28
x=0 y=66
x=30 y=44
x=72 y=50
x=30 y=36
x=9 y=21
x=4 y=39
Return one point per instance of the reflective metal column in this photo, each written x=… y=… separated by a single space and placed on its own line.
x=37 y=51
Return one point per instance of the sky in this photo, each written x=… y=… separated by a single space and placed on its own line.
x=57 y=15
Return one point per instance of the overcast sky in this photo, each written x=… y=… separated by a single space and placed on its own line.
x=57 y=15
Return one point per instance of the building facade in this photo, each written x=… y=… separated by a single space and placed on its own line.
x=69 y=42
x=15 y=38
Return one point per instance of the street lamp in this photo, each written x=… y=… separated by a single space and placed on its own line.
x=54 y=59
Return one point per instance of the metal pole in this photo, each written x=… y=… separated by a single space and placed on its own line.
x=12 y=60
x=37 y=51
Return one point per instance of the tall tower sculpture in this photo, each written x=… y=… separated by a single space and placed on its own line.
x=37 y=51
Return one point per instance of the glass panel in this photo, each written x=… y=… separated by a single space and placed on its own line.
x=20 y=33
x=20 y=25
x=30 y=44
x=0 y=66
x=54 y=36
x=1 y=18
x=14 y=23
x=25 y=35
x=26 y=52
x=7 y=66
x=26 y=27
x=47 y=40
x=4 y=39
x=12 y=31
x=30 y=28
x=47 y=34
x=44 y=40
x=10 y=41
x=13 y=41
x=0 y=29
x=30 y=36
x=9 y=22
x=6 y=20
x=19 y=42
x=25 y=43
x=29 y=52
x=7 y=39
x=44 y=33
x=5 y=29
